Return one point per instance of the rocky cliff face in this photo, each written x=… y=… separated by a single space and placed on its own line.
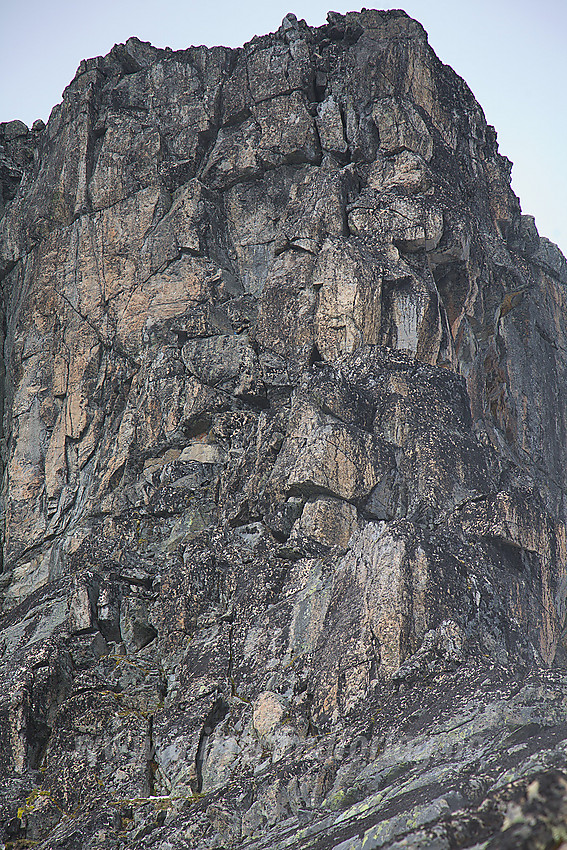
x=285 y=458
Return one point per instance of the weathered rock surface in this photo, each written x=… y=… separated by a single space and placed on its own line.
x=284 y=458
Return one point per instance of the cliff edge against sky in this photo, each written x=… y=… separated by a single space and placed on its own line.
x=284 y=458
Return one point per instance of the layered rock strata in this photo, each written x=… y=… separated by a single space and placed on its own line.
x=284 y=458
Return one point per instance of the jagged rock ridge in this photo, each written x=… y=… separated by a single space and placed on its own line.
x=284 y=454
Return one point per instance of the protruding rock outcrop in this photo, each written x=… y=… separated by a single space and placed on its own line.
x=285 y=453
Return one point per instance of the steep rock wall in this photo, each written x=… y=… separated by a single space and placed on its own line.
x=284 y=439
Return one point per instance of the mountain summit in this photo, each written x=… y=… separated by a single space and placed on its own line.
x=284 y=458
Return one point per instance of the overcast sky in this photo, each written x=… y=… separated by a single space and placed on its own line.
x=512 y=53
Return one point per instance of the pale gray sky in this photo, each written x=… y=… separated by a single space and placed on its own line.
x=512 y=53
